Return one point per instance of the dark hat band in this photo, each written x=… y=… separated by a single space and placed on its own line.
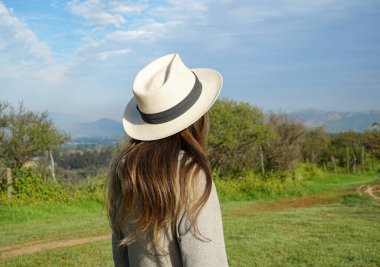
x=177 y=110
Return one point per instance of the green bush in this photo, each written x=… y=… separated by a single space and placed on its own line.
x=30 y=187
x=272 y=185
x=308 y=170
x=91 y=189
x=251 y=186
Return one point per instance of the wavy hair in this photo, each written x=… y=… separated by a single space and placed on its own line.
x=149 y=184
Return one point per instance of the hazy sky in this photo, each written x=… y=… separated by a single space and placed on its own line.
x=80 y=57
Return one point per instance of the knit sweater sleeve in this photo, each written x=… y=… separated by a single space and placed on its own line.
x=195 y=249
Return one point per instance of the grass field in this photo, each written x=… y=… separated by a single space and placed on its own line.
x=331 y=226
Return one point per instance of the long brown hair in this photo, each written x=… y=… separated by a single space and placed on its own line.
x=145 y=174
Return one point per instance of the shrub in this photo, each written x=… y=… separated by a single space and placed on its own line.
x=308 y=170
x=30 y=187
x=92 y=189
x=251 y=186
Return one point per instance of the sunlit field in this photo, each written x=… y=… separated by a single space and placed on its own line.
x=332 y=225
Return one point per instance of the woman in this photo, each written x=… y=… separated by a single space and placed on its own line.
x=162 y=204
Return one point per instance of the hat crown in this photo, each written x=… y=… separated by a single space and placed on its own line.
x=162 y=84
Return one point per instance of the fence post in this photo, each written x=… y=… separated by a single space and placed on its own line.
x=9 y=182
x=347 y=161
x=333 y=162
x=362 y=159
x=52 y=167
x=262 y=160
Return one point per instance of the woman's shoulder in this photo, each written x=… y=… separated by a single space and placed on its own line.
x=199 y=177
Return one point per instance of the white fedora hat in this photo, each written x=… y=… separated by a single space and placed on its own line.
x=169 y=97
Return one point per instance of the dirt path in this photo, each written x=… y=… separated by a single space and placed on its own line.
x=329 y=198
x=303 y=202
x=371 y=190
x=33 y=248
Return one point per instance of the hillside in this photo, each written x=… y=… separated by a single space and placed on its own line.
x=100 y=128
x=335 y=121
x=79 y=127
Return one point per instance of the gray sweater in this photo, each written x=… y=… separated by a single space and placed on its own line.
x=185 y=249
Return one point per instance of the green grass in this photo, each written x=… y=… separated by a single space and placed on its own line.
x=343 y=233
x=20 y=224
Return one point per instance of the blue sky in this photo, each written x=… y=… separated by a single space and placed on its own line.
x=80 y=57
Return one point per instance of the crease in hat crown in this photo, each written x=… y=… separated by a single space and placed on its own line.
x=162 y=84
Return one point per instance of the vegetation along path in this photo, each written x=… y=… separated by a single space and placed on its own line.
x=372 y=190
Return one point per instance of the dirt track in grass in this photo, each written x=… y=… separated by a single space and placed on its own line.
x=371 y=190
x=34 y=247
x=38 y=246
x=303 y=202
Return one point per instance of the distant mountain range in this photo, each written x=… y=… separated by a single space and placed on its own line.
x=335 y=121
x=79 y=127
x=105 y=128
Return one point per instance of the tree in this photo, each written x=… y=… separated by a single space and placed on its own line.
x=347 y=147
x=371 y=141
x=284 y=150
x=24 y=134
x=3 y=108
x=316 y=146
x=375 y=126
x=237 y=130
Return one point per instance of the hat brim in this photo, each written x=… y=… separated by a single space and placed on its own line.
x=138 y=129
